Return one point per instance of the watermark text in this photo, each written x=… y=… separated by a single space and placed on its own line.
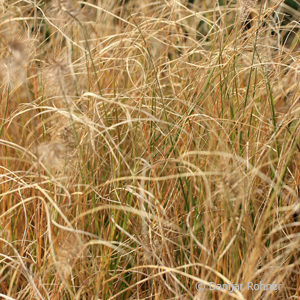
x=231 y=287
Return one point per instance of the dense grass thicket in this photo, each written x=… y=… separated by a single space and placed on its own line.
x=149 y=149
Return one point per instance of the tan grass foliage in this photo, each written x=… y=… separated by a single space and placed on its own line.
x=147 y=147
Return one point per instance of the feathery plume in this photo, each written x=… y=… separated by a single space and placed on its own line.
x=245 y=9
x=68 y=247
x=13 y=67
x=58 y=82
x=52 y=155
x=61 y=10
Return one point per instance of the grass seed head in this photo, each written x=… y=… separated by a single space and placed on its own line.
x=53 y=155
x=68 y=247
x=13 y=67
x=58 y=82
x=62 y=12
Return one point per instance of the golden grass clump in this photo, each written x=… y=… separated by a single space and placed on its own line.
x=149 y=149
